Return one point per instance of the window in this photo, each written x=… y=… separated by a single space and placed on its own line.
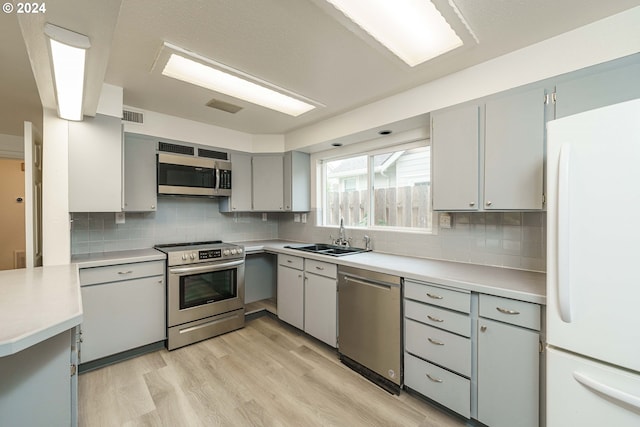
x=390 y=188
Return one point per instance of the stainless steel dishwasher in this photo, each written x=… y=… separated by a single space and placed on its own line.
x=369 y=320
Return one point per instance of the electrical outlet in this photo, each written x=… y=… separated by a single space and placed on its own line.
x=264 y=216
x=296 y=217
x=304 y=218
x=119 y=217
x=444 y=220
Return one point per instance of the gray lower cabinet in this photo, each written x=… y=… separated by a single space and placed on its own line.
x=291 y=290
x=124 y=308
x=321 y=301
x=508 y=362
x=476 y=354
x=140 y=174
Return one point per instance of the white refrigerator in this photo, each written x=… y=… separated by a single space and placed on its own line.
x=593 y=268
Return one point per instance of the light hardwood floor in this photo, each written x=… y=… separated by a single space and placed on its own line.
x=266 y=374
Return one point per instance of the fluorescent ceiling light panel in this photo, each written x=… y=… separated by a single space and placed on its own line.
x=197 y=73
x=68 y=54
x=414 y=30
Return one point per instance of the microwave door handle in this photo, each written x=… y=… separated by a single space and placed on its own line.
x=217 y=184
x=201 y=268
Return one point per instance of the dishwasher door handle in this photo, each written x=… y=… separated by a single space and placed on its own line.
x=368 y=283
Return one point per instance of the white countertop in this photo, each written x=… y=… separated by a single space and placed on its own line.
x=37 y=304
x=119 y=257
x=517 y=284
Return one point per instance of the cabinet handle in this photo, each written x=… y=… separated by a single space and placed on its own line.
x=435 y=380
x=153 y=206
x=434 y=296
x=507 y=311
x=125 y=272
x=472 y=203
x=435 y=319
x=435 y=342
x=489 y=203
x=289 y=261
x=483 y=328
x=319 y=268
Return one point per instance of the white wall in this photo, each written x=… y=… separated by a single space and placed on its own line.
x=56 y=244
x=605 y=40
x=162 y=125
x=268 y=144
x=11 y=146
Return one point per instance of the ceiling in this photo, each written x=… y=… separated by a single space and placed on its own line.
x=304 y=46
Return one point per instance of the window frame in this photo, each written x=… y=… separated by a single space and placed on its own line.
x=321 y=187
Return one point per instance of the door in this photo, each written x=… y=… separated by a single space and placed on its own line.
x=594 y=197
x=455 y=139
x=589 y=394
x=33 y=194
x=12 y=214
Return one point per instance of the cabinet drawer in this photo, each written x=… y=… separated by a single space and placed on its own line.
x=507 y=310
x=438 y=346
x=443 y=297
x=439 y=317
x=321 y=268
x=446 y=388
x=291 y=261
x=115 y=273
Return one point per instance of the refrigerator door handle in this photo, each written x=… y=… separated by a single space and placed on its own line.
x=608 y=391
x=562 y=267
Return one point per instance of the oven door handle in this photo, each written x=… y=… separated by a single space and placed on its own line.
x=207 y=267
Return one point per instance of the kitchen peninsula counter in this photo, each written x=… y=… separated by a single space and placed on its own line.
x=522 y=285
x=37 y=304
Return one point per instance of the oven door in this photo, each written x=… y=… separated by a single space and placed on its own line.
x=199 y=291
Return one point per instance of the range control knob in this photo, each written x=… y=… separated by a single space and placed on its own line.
x=193 y=256
x=240 y=250
x=226 y=252
x=233 y=251
x=184 y=257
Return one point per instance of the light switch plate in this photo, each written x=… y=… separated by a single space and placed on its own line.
x=444 y=219
x=304 y=218
x=119 y=217
x=296 y=217
x=264 y=216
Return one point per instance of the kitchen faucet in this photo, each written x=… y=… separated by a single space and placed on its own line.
x=342 y=238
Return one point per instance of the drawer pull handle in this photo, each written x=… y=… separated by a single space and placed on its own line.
x=435 y=342
x=434 y=319
x=507 y=311
x=125 y=272
x=434 y=296
x=435 y=380
x=289 y=261
x=319 y=268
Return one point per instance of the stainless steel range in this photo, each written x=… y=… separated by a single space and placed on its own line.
x=205 y=290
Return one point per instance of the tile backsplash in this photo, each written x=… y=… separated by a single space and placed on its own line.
x=176 y=220
x=503 y=239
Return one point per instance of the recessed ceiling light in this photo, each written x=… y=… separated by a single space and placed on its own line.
x=218 y=77
x=414 y=30
x=385 y=132
x=336 y=144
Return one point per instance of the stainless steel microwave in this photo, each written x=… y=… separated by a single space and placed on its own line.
x=193 y=176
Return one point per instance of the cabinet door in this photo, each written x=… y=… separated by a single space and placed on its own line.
x=240 y=199
x=297 y=181
x=121 y=316
x=597 y=90
x=514 y=151
x=320 y=308
x=291 y=296
x=140 y=176
x=508 y=375
x=95 y=165
x=268 y=183
x=455 y=145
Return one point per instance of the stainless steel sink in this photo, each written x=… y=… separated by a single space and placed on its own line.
x=327 y=249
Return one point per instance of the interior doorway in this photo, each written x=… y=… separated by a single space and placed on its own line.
x=12 y=214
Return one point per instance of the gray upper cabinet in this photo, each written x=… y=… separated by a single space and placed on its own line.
x=297 y=181
x=241 y=193
x=95 y=165
x=598 y=90
x=455 y=140
x=514 y=151
x=268 y=183
x=140 y=177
